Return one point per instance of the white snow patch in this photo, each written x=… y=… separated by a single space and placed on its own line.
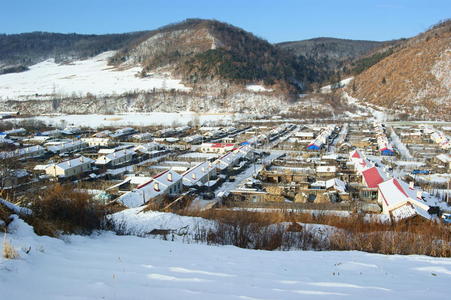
x=341 y=84
x=257 y=88
x=107 y=266
x=92 y=75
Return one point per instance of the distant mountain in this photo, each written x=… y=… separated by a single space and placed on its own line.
x=207 y=50
x=18 y=51
x=414 y=77
x=336 y=50
x=335 y=59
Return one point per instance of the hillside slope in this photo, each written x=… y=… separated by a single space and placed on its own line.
x=333 y=48
x=18 y=51
x=206 y=50
x=129 y=267
x=414 y=79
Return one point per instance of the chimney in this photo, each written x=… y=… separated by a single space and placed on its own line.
x=170 y=176
x=68 y=163
x=156 y=186
x=411 y=185
x=193 y=175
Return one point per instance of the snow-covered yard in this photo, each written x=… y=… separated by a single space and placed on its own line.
x=107 y=266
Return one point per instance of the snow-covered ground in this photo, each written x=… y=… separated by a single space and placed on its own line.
x=257 y=88
x=92 y=75
x=107 y=266
x=378 y=115
x=136 y=119
x=403 y=150
x=343 y=83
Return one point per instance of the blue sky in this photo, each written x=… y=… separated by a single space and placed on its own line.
x=276 y=20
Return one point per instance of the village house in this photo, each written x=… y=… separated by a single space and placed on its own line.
x=27 y=152
x=193 y=139
x=371 y=178
x=326 y=172
x=400 y=200
x=145 y=136
x=322 y=138
x=226 y=162
x=14 y=131
x=168 y=183
x=51 y=133
x=13 y=178
x=71 y=130
x=149 y=147
x=216 y=148
x=73 y=167
x=98 y=141
x=102 y=134
x=199 y=175
x=72 y=146
x=116 y=158
x=122 y=133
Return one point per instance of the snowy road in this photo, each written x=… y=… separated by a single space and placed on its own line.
x=127 y=267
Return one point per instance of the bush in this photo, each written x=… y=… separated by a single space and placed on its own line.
x=263 y=230
x=8 y=250
x=68 y=210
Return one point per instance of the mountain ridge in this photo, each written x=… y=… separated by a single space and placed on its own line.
x=414 y=79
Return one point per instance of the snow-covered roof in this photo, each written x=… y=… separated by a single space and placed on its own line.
x=337 y=184
x=32 y=150
x=197 y=173
x=374 y=176
x=150 y=189
x=67 y=146
x=409 y=210
x=114 y=156
x=73 y=163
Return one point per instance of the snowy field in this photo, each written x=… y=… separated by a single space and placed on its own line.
x=92 y=75
x=107 y=266
x=136 y=119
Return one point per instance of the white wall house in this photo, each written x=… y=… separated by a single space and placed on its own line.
x=116 y=158
x=166 y=183
x=72 y=146
x=71 y=167
x=400 y=200
x=27 y=152
x=199 y=175
x=98 y=141
x=216 y=148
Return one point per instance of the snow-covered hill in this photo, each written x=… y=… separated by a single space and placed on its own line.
x=107 y=266
x=47 y=79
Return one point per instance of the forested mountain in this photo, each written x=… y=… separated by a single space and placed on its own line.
x=338 y=58
x=25 y=49
x=331 y=48
x=413 y=77
x=203 y=50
